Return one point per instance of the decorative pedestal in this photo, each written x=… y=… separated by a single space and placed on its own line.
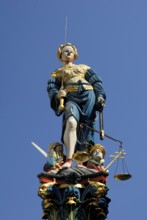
x=74 y=194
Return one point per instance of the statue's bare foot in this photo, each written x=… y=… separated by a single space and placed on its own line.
x=54 y=171
x=81 y=166
x=67 y=164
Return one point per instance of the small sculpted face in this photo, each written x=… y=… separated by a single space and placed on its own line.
x=97 y=155
x=68 y=54
x=43 y=190
x=56 y=152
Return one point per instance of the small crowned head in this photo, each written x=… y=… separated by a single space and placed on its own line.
x=98 y=147
x=56 y=148
x=67 y=51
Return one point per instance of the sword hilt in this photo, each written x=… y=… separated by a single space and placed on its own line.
x=61 y=106
x=102 y=134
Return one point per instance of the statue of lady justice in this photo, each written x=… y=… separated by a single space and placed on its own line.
x=76 y=92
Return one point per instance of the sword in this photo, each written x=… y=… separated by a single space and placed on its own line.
x=39 y=149
x=101 y=124
x=61 y=105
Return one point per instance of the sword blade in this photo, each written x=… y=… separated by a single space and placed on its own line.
x=39 y=149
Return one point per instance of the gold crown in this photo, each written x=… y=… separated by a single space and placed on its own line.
x=54 y=145
x=100 y=147
x=59 y=51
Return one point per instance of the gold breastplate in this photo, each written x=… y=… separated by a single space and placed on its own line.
x=71 y=73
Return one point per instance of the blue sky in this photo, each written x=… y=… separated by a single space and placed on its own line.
x=111 y=38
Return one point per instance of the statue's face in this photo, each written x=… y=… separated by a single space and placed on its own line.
x=97 y=155
x=59 y=151
x=43 y=190
x=68 y=54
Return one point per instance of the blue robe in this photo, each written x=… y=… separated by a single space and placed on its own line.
x=82 y=105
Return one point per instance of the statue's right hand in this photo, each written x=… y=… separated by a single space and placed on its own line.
x=61 y=94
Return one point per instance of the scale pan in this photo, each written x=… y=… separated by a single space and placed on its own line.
x=122 y=176
x=81 y=156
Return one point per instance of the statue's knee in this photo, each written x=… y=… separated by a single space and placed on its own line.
x=71 y=123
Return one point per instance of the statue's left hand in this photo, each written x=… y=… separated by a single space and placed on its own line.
x=101 y=103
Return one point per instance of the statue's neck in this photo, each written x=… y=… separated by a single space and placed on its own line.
x=67 y=63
